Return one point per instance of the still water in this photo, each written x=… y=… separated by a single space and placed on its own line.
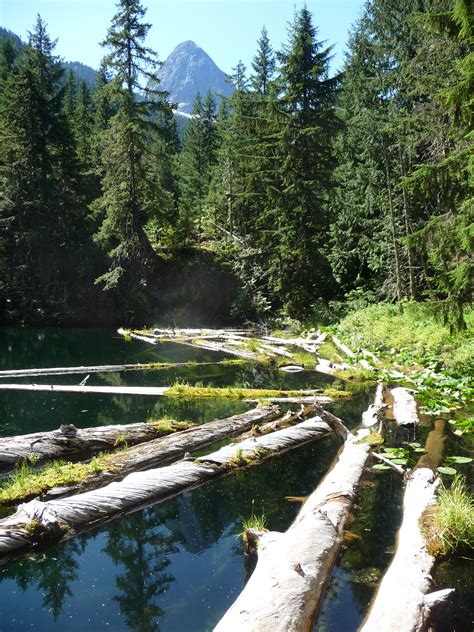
x=176 y=565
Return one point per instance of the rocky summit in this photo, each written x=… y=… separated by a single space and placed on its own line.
x=189 y=70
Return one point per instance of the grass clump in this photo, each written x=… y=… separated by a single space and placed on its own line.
x=255 y=522
x=24 y=483
x=229 y=392
x=167 y=425
x=449 y=527
x=334 y=393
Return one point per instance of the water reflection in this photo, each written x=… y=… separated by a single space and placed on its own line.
x=174 y=566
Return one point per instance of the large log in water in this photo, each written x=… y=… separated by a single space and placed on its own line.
x=167 y=449
x=286 y=587
x=40 y=522
x=70 y=442
x=401 y=601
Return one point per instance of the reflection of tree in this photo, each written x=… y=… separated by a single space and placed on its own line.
x=141 y=546
x=49 y=574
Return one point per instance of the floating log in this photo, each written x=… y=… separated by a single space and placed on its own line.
x=399 y=604
x=75 y=388
x=292 y=368
x=159 y=451
x=404 y=407
x=104 y=368
x=46 y=522
x=286 y=587
x=402 y=602
x=308 y=399
x=70 y=442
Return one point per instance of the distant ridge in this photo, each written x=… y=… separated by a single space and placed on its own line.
x=189 y=70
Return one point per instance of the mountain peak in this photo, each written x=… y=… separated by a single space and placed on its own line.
x=189 y=70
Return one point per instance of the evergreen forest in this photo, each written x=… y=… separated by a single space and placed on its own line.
x=303 y=193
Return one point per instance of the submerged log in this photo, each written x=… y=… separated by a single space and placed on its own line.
x=404 y=407
x=46 y=522
x=71 y=442
x=286 y=587
x=164 y=450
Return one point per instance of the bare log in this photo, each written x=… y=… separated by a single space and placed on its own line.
x=328 y=367
x=164 y=450
x=286 y=588
x=344 y=348
x=404 y=407
x=103 y=368
x=399 y=603
x=54 y=520
x=71 y=442
x=373 y=415
x=75 y=388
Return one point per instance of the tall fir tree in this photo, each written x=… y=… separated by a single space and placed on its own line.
x=308 y=125
x=127 y=198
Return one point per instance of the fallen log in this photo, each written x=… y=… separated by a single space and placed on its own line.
x=76 y=388
x=104 y=368
x=328 y=367
x=70 y=442
x=287 y=585
x=400 y=600
x=156 y=452
x=403 y=602
x=39 y=522
x=373 y=415
x=404 y=407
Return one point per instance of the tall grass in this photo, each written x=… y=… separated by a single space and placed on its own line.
x=450 y=525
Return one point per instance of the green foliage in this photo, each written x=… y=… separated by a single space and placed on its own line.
x=449 y=527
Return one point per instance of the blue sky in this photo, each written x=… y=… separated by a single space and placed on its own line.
x=226 y=29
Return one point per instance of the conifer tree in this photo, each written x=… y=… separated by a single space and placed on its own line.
x=305 y=162
x=126 y=197
x=41 y=207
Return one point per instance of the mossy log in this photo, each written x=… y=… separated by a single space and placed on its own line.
x=69 y=442
x=164 y=450
x=293 y=568
x=46 y=522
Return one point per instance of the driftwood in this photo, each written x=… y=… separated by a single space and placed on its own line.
x=40 y=522
x=71 y=442
x=287 y=585
x=304 y=399
x=402 y=602
x=164 y=450
x=345 y=349
x=404 y=407
x=399 y=605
